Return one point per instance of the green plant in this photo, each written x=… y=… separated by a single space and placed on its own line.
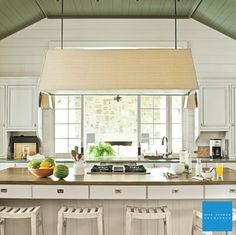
x=101 y=150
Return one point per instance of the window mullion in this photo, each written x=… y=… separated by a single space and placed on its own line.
x=139 y=124
x=168 y=121
x=82 y=124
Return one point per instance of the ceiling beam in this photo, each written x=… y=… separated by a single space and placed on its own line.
x=41 y=9
x=194 y=8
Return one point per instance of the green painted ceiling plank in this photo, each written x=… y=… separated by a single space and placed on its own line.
x=16 y=15
x=120 y=7
x=219 y=15
x=83 y=6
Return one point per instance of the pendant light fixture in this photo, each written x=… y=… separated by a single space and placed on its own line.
x=158 y=71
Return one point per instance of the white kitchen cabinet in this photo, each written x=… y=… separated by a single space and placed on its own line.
x=60 y=191
x=15 y=191
x=117 y=192
x=233 y=121
x=2 y=121
x=176 y=192
x=214 y=108
x=220 y=191
x=22 y=108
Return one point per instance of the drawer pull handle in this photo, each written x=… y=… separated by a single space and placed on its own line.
x=3 y=190
x=118 y=190
x=232 y=190
x=175 y=190
x=60 y=190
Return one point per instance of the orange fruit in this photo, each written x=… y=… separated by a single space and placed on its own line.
x=45 y=165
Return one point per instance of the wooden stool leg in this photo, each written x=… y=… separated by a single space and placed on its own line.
x=2 y=226
x=168 y=225
x=34 y=224
x=100 y=224
x=60 y=225
x=128 y=224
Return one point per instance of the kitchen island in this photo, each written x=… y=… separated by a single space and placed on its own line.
x=114 y=192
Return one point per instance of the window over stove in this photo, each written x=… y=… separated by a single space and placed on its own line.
x=123 y=121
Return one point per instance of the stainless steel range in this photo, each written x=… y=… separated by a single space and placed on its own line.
x=139 y=169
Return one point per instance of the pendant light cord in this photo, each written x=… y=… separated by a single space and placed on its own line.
x=62 y=23
x=175 y=24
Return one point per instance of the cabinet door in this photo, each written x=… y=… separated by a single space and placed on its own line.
x=22 y=108
x=214 y=108
x=233 y=126
x=2 y=119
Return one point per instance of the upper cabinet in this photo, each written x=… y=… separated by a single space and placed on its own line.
x=214 y=108
x=2 y=120
x=233 y=120
x=22 y=107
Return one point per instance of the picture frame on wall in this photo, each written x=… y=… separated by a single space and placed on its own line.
x=24 y=150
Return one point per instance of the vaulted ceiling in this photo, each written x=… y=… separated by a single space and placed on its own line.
x=18 y=14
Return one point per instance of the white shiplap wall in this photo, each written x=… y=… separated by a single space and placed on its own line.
x=23 y=52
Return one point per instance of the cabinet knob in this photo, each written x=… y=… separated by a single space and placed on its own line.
x=233 y=124
x=175 y=190
x=60 y=190
x=3 y=190
x=118 y=190
x=3 y=125
x=35 y=124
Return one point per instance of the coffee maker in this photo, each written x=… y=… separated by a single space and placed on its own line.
x=216 y=149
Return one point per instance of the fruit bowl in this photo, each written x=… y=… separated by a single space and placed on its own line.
x=42 y=173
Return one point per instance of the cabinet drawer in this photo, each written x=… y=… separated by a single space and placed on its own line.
x=15 y=191
x=175 y=192
x=118 y=192
x=220 y=191
x=60 y=192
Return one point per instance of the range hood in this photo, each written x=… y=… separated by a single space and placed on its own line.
x=122 y=70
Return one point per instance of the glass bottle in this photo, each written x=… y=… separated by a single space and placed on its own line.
x=198 y=168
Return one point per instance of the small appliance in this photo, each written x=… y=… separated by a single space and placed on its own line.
x=216 y=149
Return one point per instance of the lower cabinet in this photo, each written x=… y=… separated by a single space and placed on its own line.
x=176 y=192
x=60 y=192
x=117 y=192
x=220 y=191
x=15 y=191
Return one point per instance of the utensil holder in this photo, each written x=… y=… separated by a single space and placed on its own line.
x=79 y=167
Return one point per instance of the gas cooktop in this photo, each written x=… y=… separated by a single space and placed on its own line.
x=118 y=169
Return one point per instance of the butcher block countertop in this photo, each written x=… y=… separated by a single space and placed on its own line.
x=155 y=177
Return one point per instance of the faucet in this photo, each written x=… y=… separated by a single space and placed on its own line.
x=167 y=153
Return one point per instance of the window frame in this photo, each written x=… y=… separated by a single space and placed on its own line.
x=168 y=123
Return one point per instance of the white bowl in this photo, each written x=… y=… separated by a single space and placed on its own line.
x=177 y=168
x=208 y=175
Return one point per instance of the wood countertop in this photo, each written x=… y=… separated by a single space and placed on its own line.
x=24 y=177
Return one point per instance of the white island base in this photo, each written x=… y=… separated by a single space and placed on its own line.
x=114 y=217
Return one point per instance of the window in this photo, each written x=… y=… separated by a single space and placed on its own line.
x=111 y=121
x=67 y=123
x=94 y=118
x=161 y=116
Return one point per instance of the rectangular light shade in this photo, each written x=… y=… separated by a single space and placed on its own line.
x=120 y=69
x=45 y=101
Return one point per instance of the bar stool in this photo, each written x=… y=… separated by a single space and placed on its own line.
x=32 y=213
x=198 y=215
x=149 y=213
x=79 y=213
